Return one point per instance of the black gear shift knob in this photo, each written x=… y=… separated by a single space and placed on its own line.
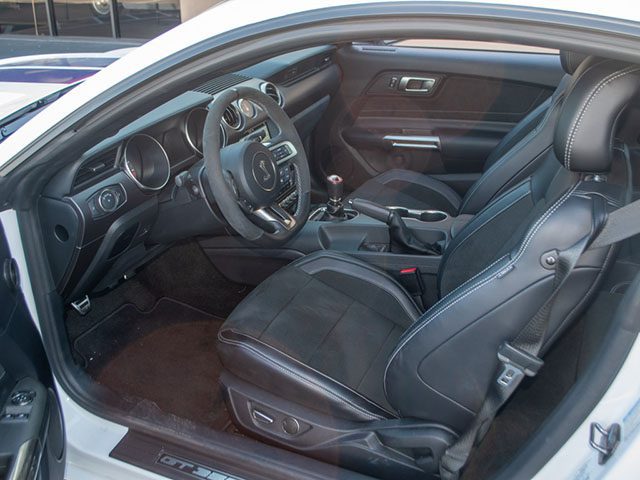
x=335 y=188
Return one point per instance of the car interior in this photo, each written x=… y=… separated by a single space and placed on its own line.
x=323 y=252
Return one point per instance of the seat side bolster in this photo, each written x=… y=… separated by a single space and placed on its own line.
x=352 y=267
x=370 y=190
x=275 y=371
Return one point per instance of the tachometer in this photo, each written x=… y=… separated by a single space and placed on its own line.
x=131 y=168
x=146 y=162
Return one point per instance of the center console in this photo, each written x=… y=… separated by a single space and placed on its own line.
x=395 y=239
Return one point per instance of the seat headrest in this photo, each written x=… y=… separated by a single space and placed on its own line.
x=583 y=138
x=571 y=61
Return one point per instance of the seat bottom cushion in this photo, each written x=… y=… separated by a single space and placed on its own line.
x=408 y=189
x=319 y=332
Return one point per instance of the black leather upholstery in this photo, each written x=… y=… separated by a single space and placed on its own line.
x=296 y=334
x=409 y=189
x=344 y=340
x=570 y=61
x=512 y=160
x=583 y=141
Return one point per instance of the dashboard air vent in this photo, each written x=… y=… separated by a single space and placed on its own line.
x=95 y=168
x=232 y=117
x=217 y=85
x=271 y=90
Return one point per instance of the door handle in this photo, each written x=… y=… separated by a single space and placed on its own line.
x=414 y=141
x=416 y=84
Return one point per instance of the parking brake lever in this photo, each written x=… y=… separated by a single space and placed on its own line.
x=399 y=232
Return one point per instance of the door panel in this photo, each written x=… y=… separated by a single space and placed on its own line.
x=31 y=427
x=435 y=111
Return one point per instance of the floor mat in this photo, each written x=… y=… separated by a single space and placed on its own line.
x=166 y=355
x=186 y=274
x=183 y=273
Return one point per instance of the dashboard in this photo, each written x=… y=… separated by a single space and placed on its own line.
x=120 y=204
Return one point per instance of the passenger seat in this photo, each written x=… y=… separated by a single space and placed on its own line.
x=512 y=160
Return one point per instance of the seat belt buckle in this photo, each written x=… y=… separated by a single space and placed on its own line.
x=516 y=363
x=411 y=279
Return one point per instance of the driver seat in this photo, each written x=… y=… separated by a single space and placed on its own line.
x=331 y=357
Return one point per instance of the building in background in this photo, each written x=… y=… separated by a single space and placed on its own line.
x=137 y=19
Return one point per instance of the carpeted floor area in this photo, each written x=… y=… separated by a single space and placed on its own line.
x=153 y=337
x=166 y=355
x=183 y=273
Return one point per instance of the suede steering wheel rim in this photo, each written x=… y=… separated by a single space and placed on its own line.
x=241 y=175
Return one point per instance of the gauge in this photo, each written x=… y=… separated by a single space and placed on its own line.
x=146 y=162
x=194 y=129
x=132 y=168
x=247 y=107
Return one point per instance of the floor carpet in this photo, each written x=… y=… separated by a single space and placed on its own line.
x=166 y=355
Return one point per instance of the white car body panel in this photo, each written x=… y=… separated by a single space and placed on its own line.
x=17 y=95
x=30 y=59
x=90 y=438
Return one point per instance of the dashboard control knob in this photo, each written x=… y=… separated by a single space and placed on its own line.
x=108 y=200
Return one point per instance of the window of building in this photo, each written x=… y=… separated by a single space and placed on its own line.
x=29 y=18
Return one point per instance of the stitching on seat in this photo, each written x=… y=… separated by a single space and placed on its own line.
x=499 y=212
x=512 y=151
x=305 y=380
x=326 y=335
x=384 y=342
x=446 y=397
x=411 y=317
x=585 y=106
x=429 y=183
x=472 y=288
x=285 y=306
x=353 y=261
x=609 y=199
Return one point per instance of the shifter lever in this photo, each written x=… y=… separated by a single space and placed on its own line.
x=400 y=233
x=335 y=188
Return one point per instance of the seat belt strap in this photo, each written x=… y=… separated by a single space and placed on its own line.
x=621 y=224
x=519 y=358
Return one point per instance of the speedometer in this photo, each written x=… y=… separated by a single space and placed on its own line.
x=194 y=129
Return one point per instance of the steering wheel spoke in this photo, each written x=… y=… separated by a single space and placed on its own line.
x=249 y=179
x=282 y=150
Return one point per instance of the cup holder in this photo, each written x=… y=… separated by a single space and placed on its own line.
x=432 y=216
x=421 y=215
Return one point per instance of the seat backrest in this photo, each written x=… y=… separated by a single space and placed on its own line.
x=520 y=152
x=494 y=275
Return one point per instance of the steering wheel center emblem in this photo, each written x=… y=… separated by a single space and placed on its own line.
x=264 y=172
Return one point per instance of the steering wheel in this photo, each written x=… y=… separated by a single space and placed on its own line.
x=246 y=178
